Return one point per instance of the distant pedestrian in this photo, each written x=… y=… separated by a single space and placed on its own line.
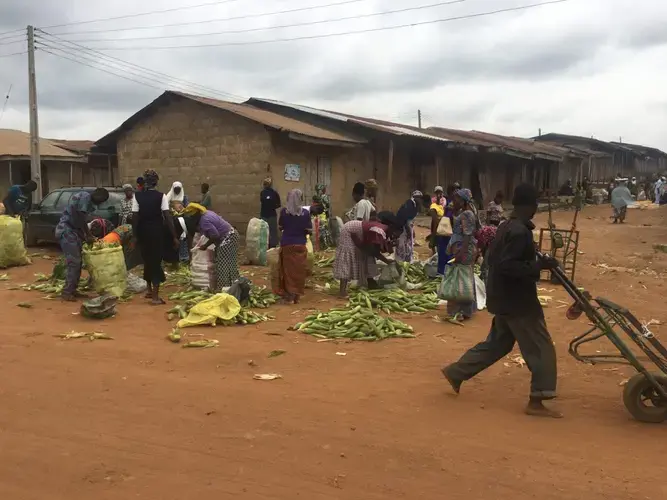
x=269 y=201
x=514 y=269
x=206 y=201
x=126 y=205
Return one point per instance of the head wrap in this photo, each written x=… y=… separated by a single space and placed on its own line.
x=127 y=186
x=438 y=189
x=140 y=181
x=294 y=202
x=320 y=188
x=151 y=178
x=417 y=194
x=194 y=209
x=268 y=182
x=172 y=196
x=464 y=194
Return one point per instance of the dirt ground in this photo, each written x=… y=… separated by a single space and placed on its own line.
x=139 y=417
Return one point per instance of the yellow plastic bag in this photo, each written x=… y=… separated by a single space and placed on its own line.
x=12 y=248
x=311 y=256
x=107 y=268
x=207 y=312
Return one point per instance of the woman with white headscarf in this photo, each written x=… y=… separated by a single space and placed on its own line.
x=176 y=196
x=177 y=203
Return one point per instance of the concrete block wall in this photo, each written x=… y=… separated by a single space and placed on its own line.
x=193 y=143
x=348 y=166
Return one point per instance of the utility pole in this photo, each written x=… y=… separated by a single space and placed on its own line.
x=35 y=163
x=419 y=118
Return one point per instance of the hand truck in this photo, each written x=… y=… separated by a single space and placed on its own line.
x=645 y=394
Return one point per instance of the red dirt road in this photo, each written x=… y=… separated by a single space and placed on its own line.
x=138 y=417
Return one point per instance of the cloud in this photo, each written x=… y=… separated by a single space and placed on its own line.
x=577 y=67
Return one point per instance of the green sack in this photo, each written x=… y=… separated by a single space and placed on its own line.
x=257 y=242
x=12 y=247
x=458 y=284
x=107 y=268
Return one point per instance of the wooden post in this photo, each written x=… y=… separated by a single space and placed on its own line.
x=438 y=161
x=11 y=181
x=110 y=170
x=390 y=168
x=71 y=174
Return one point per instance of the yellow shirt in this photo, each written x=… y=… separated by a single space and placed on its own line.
x=439 y=210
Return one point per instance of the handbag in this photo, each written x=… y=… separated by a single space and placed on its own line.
x=458 y=284
x=444 y=227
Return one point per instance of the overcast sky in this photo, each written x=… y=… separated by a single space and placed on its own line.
x=583 y=67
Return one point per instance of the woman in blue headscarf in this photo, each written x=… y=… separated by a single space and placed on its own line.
x=463 y=246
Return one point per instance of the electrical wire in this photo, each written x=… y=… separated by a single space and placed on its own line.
x=339 y=34
x=94 y=57
x=267 y=28
x=23 y=40
x=223 y=19
x=4 y=105
x=100 y=69
x=141 y=14
x=18 y=36
x=12 y=31
x=14 y=54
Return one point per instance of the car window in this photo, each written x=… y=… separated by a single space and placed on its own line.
x=64 y=200
x=113 y=201
x=49 y=201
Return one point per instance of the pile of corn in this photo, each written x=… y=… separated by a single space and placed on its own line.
x=414 y=273
x=99 y=245
x=394 y=300
x=355 y=324
x=325 y=261
x=50 y=284
x=182 y=276
x=261 y=298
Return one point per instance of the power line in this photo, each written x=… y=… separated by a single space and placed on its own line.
x=14 y=54
x=133 y=75
x=23 y=40
x=100 y=69
x=4 y=105
x=344 y=33
x=267 y=28
x=140 y=14
x=222 y=19
x=20 y=36
x=56 y=43
x=13 y=31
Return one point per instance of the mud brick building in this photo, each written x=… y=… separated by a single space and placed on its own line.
x=233 y=147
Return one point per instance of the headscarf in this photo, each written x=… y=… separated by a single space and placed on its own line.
x=194 y=209
x=151 y=178
x=172 y=196
x=464 y=194
x=417 y=194
x=127 y=186
x=268 y=182
x=294 y=202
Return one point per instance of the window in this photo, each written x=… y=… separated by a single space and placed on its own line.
x=64 y=200
x=49 y=201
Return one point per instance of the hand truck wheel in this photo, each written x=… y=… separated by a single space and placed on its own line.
x=643 y=401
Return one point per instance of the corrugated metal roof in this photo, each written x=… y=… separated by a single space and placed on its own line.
x=76 y=146
x=381 y=125
x=15 y=144
x=274 y=120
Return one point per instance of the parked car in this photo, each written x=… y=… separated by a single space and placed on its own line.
x=42 y=220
